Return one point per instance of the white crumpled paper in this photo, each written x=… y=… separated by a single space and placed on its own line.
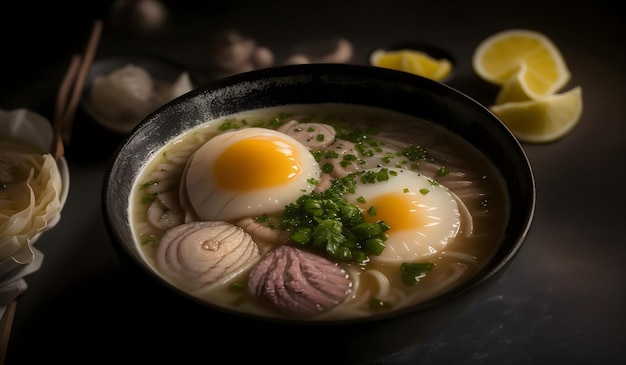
x=19 y=258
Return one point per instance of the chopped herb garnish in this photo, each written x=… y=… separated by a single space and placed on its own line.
x=364 y=143
x=372 y=177
x=275 y=122
x=148 y=198
x=412 y=272
x=424 y=191
x=414 y=153
x=327 y=167
x=147 y=184
x=364 y=151
x=263 y=218
x=272 y=123
x=317 y=154
x=327 y=222
x=228 y=124
x=236 y=286
x=331 y=154
x=375 y=245
x=377 y=304
x=388 y=157
x=148 y=239
x=442 y=171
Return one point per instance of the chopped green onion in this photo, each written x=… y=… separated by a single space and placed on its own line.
x=377 y=304
x=412 y=272
x=414 y=153
x=302 y=236
x=236 y=286
x=366 y=230
x=148 y=198
x=374 y=246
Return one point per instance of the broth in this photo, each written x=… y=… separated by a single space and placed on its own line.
x=374 y=285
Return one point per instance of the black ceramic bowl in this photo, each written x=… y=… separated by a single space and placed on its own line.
x=329 y=83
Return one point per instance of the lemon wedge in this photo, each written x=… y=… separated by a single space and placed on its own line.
x=544 y=120
x=412 y=61
x=516 y=89
x=526 y=54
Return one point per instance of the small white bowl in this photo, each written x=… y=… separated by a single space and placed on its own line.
x=169 y=81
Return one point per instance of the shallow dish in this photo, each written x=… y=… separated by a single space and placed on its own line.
x=164 y=73
x=320 y=85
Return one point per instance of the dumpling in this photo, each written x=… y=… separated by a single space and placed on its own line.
x=125 y=95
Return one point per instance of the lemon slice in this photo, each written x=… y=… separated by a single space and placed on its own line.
x=516 y=89
x=412 y=61
x=530 y=55
x=541 y=121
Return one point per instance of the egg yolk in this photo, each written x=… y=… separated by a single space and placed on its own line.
x=399 y=210
x=256 y=163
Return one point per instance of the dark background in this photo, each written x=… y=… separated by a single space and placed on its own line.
x=561 y=301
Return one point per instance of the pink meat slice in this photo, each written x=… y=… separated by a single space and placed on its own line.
x=299 y=283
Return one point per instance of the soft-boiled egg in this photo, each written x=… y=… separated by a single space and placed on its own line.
x=422 y=215
x=248 y=172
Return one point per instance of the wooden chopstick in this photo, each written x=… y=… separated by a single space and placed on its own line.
x=70 y=91
x=6 y=325
x=58 y=148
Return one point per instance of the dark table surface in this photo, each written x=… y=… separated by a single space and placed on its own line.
x=561 y=301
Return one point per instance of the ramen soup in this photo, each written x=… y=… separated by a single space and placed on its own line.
x=318 y=212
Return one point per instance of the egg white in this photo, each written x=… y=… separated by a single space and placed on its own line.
x=424 y=213
x=269 y=171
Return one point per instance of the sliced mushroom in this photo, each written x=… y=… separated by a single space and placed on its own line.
x=162 y=212
x=338 y=50
x=312 y=135
x=343 y=157
x=326 y=180
x=232 y=53
x=263 y=233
